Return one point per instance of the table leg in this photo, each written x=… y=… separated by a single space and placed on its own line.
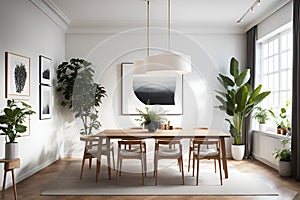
x=14 y=184
x=224 y=159
x=99 y=154
x=108 y=157
x=3 y=187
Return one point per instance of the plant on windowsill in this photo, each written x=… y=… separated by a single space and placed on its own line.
x=284 y=157
x=11 y=123
x=151 y=118
x=80 y=93
x=261 y=116
x=282 y=122
x=238 y=101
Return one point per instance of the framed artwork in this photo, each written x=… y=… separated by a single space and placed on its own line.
x=45 y=70
x=164 y=90
x=17 y=76
x=45 y=102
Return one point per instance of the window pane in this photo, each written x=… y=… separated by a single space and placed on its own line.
x=266 y=66
x=290 y=79
x=271 y=48
x=290 y=39
x=283 y=42
x=276 y=82
x=290 y=59
x=284 y=83
x=276 y=63
x=284 y=62
x=276 y=99
x=271 y=79
x=276 y=46
x=265 y=50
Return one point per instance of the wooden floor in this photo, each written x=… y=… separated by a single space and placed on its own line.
x=31 y=188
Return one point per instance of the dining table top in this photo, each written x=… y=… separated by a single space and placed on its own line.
x=177 y=133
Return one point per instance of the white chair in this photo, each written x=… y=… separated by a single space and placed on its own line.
x=138 y=152
x=91 y=150
x=206 y=153
x=168 y=153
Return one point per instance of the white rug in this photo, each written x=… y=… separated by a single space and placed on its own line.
x=169 y=182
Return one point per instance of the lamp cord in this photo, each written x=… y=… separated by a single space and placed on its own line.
x=169 y=24
x=148 y=40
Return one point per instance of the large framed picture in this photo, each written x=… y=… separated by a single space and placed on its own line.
x=164 y=90
x=45 y=102
x=45 y=70
x=17 y=76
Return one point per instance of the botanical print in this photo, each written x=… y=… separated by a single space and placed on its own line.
x=45 y=70
x=17 y=75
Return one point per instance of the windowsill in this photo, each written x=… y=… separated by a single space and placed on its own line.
x=273 y=134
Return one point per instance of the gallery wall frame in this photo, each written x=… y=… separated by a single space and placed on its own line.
x=45 y=65
x=45 y=102
x=17 y=76
x=163 y=90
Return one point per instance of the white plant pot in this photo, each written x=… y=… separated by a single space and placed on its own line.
x=237 y=151
x=11 y=151
x=285 y=169
x=262 y=127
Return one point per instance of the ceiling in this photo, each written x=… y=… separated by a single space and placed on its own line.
x=205 y=13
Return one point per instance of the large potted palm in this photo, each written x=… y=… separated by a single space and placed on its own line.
x=238 y=101
x=11 y=124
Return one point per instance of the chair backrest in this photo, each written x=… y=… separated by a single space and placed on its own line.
x=131 y=142
x=169 y=142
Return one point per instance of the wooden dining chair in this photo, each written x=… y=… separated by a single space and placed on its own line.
x=207 y=153
x=91 y=150
x=192 y=148
x=168 y=153
x=135 y=153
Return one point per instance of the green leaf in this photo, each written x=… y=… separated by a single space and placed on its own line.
x=234 y=67
x=255 y=92
x=243 y=78
x=20 y=128
x=223 y=94
x=260 y=97
x=241 y=98
x=226 y=81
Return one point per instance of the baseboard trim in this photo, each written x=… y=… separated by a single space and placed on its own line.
x=29 y=173
x=261 y=159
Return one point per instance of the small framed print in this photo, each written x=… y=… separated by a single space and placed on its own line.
x=45 y=70
x=17 y=76
x=45 y=102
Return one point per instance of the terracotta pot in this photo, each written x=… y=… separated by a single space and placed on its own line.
x=278 y=130
x=283 y=131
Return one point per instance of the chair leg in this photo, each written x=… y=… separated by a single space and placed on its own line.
x=90 y=163
x=220 y=169
x=182 y=171
x=197 y=177
x=215 y=165
x=155 y=169
x=113 y=157
x=143 y=170
x=179 y=164
x=118 y=170
x=82 y=165
x=193 y=166
x=97 y=170
x=189 y=162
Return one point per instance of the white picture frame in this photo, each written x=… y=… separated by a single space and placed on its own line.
x=45 y=70
x=45 y=102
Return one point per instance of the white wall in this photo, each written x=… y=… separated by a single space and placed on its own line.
x=27 y=31
x=210 y=53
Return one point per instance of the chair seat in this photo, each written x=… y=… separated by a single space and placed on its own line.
x=130 y=153
x=166 y=152
x=206 y=152
x=94 y=150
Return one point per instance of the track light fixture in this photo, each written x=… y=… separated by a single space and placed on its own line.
x=251 y=9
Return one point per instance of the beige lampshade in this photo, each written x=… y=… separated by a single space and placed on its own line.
x=168 y=63
x=139 y=67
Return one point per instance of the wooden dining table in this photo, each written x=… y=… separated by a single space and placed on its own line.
x=109 y=134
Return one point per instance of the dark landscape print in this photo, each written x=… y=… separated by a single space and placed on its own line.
x=159 y=90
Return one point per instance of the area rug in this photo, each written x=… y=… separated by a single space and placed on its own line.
x=169 y=182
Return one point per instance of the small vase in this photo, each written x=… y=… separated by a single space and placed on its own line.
x=153 y=126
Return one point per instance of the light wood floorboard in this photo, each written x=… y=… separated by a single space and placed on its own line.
x=30 y=188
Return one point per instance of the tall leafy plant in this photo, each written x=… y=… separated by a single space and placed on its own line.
x=12 y=119
x=80 y=93
x=238 y=99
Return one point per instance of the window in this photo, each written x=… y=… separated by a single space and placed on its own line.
x=276 y=70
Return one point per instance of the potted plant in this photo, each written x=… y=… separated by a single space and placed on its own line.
x=80 y=92
x=11 y=123
x=151 y=118
x=281 y=120
x=261 y=116
x=284 y=157
x=238 y=101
